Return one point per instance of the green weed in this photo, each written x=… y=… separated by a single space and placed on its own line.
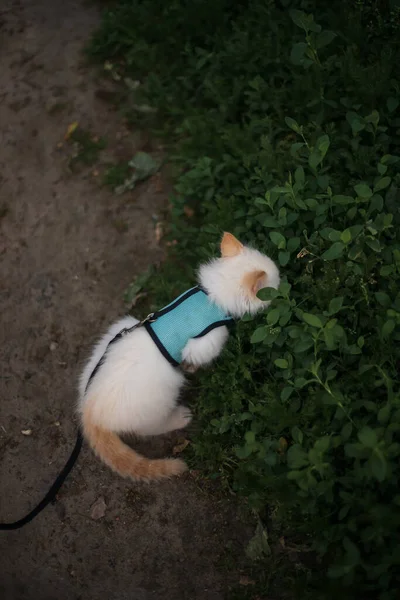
x=87 y=147
x=115 y=175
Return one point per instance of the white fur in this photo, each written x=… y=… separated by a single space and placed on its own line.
x=136 y=389
x=203 y=350
x=223 y=280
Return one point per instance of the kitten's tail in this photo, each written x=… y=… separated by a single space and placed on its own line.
x=125 y=461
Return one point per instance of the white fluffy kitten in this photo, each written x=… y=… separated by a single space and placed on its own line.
x=136 y=389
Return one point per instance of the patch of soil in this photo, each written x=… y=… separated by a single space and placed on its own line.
x=64 y=265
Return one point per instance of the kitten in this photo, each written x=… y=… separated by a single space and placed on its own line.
x=133 y=385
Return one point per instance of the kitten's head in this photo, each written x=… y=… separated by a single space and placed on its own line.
x=233 y=280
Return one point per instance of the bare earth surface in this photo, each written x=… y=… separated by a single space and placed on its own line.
x=64 y=264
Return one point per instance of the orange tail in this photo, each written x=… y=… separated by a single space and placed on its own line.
x=125 y=461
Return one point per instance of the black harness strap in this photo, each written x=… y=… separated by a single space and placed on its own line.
x=50 y=497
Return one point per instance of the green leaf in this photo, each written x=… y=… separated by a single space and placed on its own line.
x=293 y=244
x=144 y=164
x=335 y=251
x=299 y=176
x=312 y=203
x=356 y=122
x=381 y=169
x=278 y=239
x=346 y=236
x=384 y=414
x=367 y=437
x=298 y=56
x=335 y=305
x=392 y=104
x=268 y=221
x=300 y=382
x=283 y=258
x=259 y=335
x=325 y=37
x=250 y=437
x=343 y=200
x=323 y=444
x=373 y=243
x=267 y=294
x=299 y=18
x=297 y=457
x=303 y=345
x=312 y=320
x=378 y=465
x=293 y=124
x=327 y=233
x=386 y=270
x=273 y=316
x=294 y=148
x=373 y=118
x=346 y=431
x=286 y=393
x=375 y=204
x=281 y=363
x=323 y=144
x=285 y=288
x=388 y=328
x=343 y=512
x=279 y=189
x=363 y=190
x=383 y=299
x=244 y=451
x=319 y=151
x=336 y=571
x=329 y=339
x=352 y=552
x=258 y=547
x=383 y=183
x=297 y=435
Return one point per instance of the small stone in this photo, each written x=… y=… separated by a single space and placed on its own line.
x=53 y=346
x=159 y=232
x=26 y=431
x=57 y=423
x=98 y=509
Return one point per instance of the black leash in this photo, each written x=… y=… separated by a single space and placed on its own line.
x=52 y=493
x=50 y=497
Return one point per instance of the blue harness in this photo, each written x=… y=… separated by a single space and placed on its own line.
x=191 y=315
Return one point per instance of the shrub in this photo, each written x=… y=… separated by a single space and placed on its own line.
x=287 y=132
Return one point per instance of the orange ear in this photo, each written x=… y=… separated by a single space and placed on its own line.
x=230 y=246
x=255 y=281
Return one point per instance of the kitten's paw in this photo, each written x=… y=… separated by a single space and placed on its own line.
x=182 y=417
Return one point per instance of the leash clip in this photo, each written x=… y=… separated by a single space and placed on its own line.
x=149 y=319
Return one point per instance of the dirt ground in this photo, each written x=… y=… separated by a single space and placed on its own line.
x=64 y=264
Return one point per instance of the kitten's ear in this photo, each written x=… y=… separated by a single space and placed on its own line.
x=255 y=281
x=230 y=246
